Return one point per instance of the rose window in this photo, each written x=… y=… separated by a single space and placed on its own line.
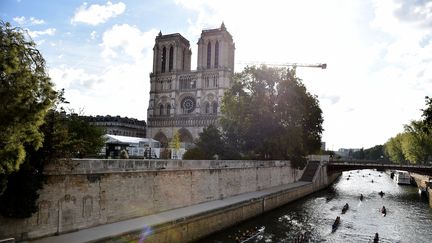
x=188 y=104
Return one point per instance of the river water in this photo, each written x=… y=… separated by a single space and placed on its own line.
x=408 y=219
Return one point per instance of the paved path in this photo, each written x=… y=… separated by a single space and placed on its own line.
x=142 y=223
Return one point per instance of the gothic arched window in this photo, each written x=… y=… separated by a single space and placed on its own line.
x=163 y=60
x=214 y=107
x=168 y=110
x=216 y=64
x=209 y=55
x=161 y=110
x=171 y=59
x=183 y=59
x=207 y=108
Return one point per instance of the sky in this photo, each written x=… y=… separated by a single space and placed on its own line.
x=378 y=53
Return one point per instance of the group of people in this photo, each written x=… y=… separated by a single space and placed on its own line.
x=345 y=208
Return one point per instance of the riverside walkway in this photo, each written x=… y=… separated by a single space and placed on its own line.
x=146 y=223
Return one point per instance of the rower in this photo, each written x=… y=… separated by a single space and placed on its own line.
x=376 y=239
x=384 y=211
x=336 y=224
x=345 y=208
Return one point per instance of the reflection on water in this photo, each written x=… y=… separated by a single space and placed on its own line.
x=408 y=219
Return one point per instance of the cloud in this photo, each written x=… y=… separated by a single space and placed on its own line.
x=332 y=98
x=38 y=33
x=93 y=35
x=419 y=12
x=119 y=89
x=30 y=21
x=36 y=21
x=119 y=83
x=20 y=20
x=126 y=40
x=378 y=55
x=96 y=14
x=72 y=78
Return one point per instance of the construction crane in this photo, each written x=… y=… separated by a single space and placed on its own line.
x=315 y=65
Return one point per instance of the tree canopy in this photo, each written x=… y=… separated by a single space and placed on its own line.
x=269 y=114
x=414 y=145
x=210 y=144
x=427 y=115
x=65 y=136
x=374 y=153
x=26 y=95
x=32 y=132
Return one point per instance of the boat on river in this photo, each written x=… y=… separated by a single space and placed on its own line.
x=345 y=208
x=336 y=224
x=402 y=177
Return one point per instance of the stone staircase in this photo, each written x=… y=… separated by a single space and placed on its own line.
x=310 y=170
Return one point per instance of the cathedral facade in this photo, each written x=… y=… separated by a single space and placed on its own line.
x=186 y=101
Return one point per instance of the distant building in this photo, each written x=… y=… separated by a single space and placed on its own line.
x=323 y=146
x=347 y=153
x=116 y=125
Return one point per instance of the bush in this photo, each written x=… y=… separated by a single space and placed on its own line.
x=194 y=154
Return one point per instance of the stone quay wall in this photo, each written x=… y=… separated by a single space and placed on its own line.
x=82 y=193
x=197 y=226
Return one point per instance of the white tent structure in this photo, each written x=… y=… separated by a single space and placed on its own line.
x=136 y=147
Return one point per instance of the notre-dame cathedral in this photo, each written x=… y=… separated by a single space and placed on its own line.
x=184 y=100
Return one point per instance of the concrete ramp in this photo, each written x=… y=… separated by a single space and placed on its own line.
x=310 y=171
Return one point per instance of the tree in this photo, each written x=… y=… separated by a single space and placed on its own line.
x=84 y=139
x=427 y=115
x=373 y=153
x=209 y=144
x=269 y=114
x=393 y=149
x=26 y=95
x=417 y=143
x=65 y=136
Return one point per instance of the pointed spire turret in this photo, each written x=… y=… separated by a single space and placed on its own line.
x=223 y=26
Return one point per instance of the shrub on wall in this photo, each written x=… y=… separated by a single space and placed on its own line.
x=194 y=154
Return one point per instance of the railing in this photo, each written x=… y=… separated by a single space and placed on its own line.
x=182 y=121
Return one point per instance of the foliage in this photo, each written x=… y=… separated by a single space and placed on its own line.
x=427 y=116
x=209 y=144
x=65 y=136
x=194 y=153
x=84 y=139
x=176 y=141
x=417 y=144
x=414 y=145
x=375 y=153
x=26 y=94
x=393 y=149
x=269 y=114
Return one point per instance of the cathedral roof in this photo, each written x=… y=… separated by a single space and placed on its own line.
x=222 y=28
x=172 y=36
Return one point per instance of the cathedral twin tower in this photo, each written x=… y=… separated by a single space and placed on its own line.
x=184 y=100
